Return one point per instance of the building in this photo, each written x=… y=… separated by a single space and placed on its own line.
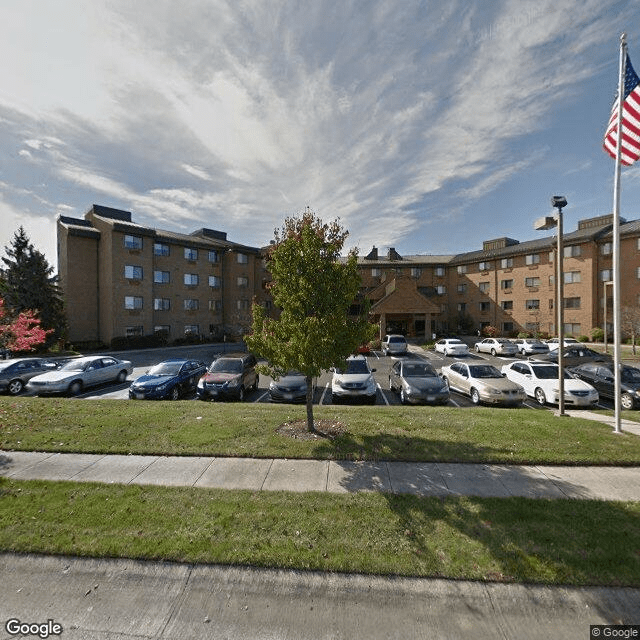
x=124 y=279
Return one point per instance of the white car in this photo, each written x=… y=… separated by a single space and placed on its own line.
x=554 y=342
x=540 y=381
x=77 y=374
x=497 y=347
x=354 y=382
x=530 y=346
x=451 y=347
x=483 y=383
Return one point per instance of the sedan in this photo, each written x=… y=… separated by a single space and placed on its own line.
x=291 y=387
x=540 y=381
x=483 y=383
x=418 y=382
x=451 y=347
x=497 y=347
x=576 y=355
x=169 y=379
x=16 y=373
x=553 y=343
x=78 y=374
x=531 y=346
x=601 y=377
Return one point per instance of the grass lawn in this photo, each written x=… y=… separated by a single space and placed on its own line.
x=444 y=434
x=539 y=541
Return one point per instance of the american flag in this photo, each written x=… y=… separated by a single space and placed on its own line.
x=630 y=151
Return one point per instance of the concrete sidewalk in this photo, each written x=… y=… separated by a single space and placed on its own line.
x=267 y=474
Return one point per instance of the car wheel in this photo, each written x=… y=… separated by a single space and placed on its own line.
x=540 y=397
x=122 y=376
x=475 y=396
x=493 y=352
x=334 y=399
x=403 y=397
x=241 y=394
x=174 y=394
x=626 y=400
x=15 y=387
x=477 y=349
x=75 y=388
x=255 y=384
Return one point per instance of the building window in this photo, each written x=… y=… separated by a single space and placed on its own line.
x=531 y=305
x=462 y=288
x=532 y=327
x=506 y=284
x=532 y=258
x=484 y=307
x=572 y=303
x=134 y=331
x=162 y=329
x=571 y=277
x=506 y=263
x=191 y=329
x=160 y=249
x=215 y=305
x=190 y=254
x=191 y=279
x=637 y=272
x=484 y=266
x=242 y=305
x=161 y=277
x=606 y=248
x=550 y=304
x=133 y=242
x=416 y=272
x=441 y=289
x=214 y=281
x=462 y=269
x=133 y=302
x=132 y=272
x=573 y=251
x=242 y=281
x=532 y=282
x=606 y=275
x=190 y=304
x=161 y=304
x=507 y=305
x=214 y=256
x=243 y=258
x=462 y=307
x=484 y=287
x=572 y=328
x=507 y=327
x=439 y=271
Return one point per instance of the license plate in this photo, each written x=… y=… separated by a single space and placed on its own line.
x=139 y=396
x=430 y=398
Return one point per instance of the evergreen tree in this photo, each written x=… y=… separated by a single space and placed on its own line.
x=28 y=284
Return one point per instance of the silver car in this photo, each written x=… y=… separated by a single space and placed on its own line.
x=418 y=382
x=393 y=344
x=530 y=346
x=354 y=382
x=496 y=347
x=78 y=374
x=16 y=373
x=483 y=383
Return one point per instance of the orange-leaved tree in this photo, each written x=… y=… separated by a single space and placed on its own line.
x=21 y=332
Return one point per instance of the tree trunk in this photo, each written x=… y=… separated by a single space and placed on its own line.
x=310 y=426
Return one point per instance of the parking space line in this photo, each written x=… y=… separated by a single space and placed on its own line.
x=382 y=393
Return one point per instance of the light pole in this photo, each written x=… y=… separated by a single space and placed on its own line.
x=543 y=224
x=606 y=284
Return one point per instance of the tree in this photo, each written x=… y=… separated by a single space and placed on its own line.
x=314 y=289
x=29 y=284
x=630 y=323
x=21 y=333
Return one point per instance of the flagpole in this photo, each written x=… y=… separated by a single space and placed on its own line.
x=616 y=238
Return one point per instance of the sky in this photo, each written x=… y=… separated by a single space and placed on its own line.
x=424 y=126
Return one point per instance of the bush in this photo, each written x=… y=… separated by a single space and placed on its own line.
x=597 y=334
x=523 y=334
x=582 y=338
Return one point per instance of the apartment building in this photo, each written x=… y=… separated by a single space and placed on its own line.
x=124 y=279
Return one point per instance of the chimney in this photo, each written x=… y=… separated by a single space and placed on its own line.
x=393 y=254
x=373 y=254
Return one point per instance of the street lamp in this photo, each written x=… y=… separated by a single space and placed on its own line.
x=543 y=224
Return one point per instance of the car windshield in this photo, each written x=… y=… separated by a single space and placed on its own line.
x=166 y=369
x=356 y=366
x=547 y=372
x=456 y=342
x=226 y=365
x=504 y=341
x=396 y=339
x=76 y=365
x=630 y=374
x=418 y=369
x=484 y=371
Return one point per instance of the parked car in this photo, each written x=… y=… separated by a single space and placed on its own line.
x=418 y=382
x=576 y=355
x=81 y=373
x=451 y=347
x=496 y=347
x=540 y=381
x=601 y=377
x=483 y=383
x=531 y=346
x=354 y=382
x=393 y=344
x=169 y=379
x=553 y=343
x=291 y=387
x=229 y=377
x=16 y=373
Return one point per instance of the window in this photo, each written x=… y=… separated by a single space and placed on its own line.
x=484 y=266
x=242 y=281
x=606 y=275
x=506 y=263
x=161 y=304
x=161 y=328
x=532 y=258
x=571 y=277
x=484 y=307
x=532 y=282
x=606 y=248
x=507 y=305
x=191 y=329
x=637 y=272
x=215 y=305
x=506 y=284
x=160 y=249
x=462 y=269
x=134 y=331
x=507 y=327
x=190 y=304
x=243 y=258
x=441 y=289
x=191 y=279
x=214 y=256
x=462 y=288
x=573 y=251
x=416 y=272
x=572 y=303
x=532 y=304
x=462 y=307
x=161 y=277
x=375 y=272
x=572 y=328
x=214 y=281
x=132 y=272
x=133 y=302
x=532 y=327
x=439 y=271
x=484 y=287
x=190 y=254
x=133 y=242
x=242 y=305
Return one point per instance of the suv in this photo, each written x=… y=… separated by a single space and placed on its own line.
x=355 y=382
x=393 y=344
x=229 y=377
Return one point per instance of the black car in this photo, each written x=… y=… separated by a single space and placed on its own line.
x=229 y=377
x=169 y=379
x=14 y=374
x=601 y=377
x=576 y=355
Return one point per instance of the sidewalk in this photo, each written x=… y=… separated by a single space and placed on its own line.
x=269 y=474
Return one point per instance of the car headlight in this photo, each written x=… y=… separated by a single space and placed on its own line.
x=201 y=383
x=371 y=384
x=494 y=391
x=235 y=382
x=163 y=386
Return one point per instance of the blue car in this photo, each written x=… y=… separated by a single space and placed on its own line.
x=168 y=380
